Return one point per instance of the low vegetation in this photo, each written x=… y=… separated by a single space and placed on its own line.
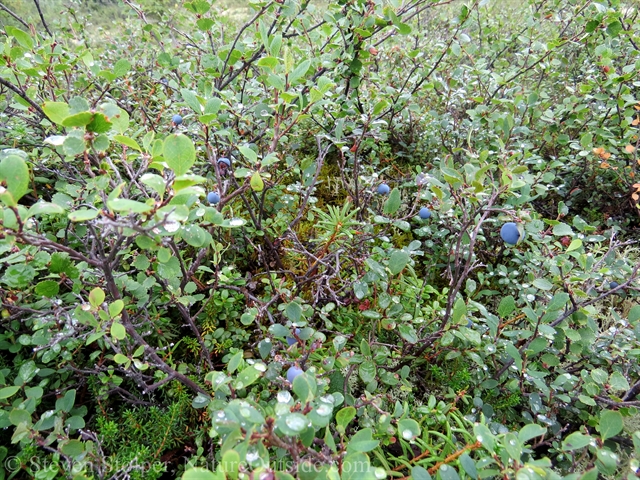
x=361 y=239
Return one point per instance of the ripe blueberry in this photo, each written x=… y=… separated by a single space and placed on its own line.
x=292 y=340
x=224 y=160
x=383 y=189
x=424 y=213
x=293 y=372
x=213 y=197
x=510 y=233
x=177 y=119
x=613 y=285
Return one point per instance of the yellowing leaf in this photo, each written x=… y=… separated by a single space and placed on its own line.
x=256 y=182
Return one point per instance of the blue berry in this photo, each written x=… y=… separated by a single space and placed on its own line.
x=383 y=189
x=613 y=285
x=177 y=119
x=224 y=160
x=292 y=340
x=213 y=197
x=424 y=213
x=510 y=233
x=293 y=372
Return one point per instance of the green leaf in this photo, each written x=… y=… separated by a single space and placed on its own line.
x=408 y=333
x=530 y=431
x=19 y=276
x=100 y=124
x=574 y=245
x=614 y=28
x=420 y=473
x=513 y=352
x=562 y=229
x=506 y=307
x=248 y=153
x=393 y=203
x=610 y=424
x=447 y=472
x=293 y=311
x=356 y=466
x=118 y=331
x=73 y=448
x=129 y=142
x=468 y=465
x=179 y=153
x=116 y=308
x=121 y=359
x=194 y=235
x=96 y=297
x=155 y=182
x=576 y=441
x=83 y=214
x=56 y=111
x=343 y=418
x=128 y=206
x=408 y=429
x=18 y=416
x=65 y=403
x=247 y=377
x=299 y=72
x=121 y=67
x=367 y=371
x=14 y=176
x=484 y=436
x=362 y=441
x=558 y=301
x=7 y=392
x=397 y=261
x=257 y=185
x=44 y=208
x=305 y=387
x=22 y=37
x=618 y=382
x=542 y=284
x=200 y=401
x=191 y=99
x=47 y=288
x=78 y=120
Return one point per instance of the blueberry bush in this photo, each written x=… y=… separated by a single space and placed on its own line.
x=290 y=239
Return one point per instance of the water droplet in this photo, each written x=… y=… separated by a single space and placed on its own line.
x=324 y=410
x=284 y=397
x=296 y=422
x=480 y=438
x=239 y=385
x=380 y=473
x=261 y=367
x=171 y=226
x=407 y=434
x=236 y=222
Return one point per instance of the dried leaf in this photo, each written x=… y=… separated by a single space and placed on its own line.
x=630 y=149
